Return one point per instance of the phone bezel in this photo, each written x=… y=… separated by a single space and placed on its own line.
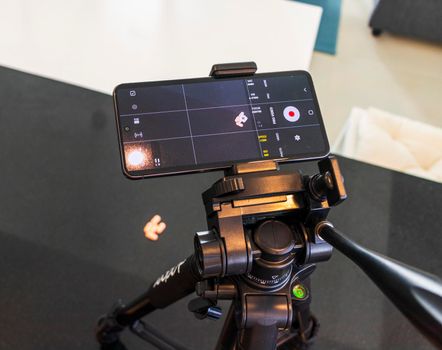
x=138 y=174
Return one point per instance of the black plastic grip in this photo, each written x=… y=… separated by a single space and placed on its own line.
x=417 y=294
x=176 y=283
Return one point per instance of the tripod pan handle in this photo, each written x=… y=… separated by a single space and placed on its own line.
x=417 y=294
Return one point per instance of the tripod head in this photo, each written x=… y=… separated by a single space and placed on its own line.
x=263 y=220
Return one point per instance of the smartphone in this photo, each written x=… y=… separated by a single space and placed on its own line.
x=193 y=125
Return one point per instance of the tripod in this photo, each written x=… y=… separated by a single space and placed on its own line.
x=266 y=232
x=259 y=252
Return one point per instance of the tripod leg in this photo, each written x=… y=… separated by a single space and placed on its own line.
x=173 y=285
x=259 y=337
x=227 y=337
x=262 y=317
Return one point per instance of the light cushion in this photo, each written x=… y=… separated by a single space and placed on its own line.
x=394 y=142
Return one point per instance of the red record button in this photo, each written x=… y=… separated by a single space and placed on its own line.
x=291 y=114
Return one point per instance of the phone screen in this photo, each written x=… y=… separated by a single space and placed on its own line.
x=170 y=127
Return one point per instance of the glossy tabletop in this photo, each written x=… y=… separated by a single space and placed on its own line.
x=71 y=238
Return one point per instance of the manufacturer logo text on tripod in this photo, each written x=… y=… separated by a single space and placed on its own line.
x=164 y=277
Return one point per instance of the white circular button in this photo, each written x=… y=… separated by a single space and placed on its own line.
x=291 y=114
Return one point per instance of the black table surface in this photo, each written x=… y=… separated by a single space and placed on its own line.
x=71 y=239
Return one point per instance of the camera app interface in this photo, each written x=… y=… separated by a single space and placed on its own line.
x=201 y=124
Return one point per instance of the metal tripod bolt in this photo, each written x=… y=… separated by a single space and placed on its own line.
x=214 y=313
x=205 y=308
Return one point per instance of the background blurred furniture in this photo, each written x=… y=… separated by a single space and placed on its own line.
x=394 y=142
x=99 y=44
x=329 y=26
x=420 y=19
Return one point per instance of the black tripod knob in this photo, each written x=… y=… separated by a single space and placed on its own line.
x=275 y=239
x=276 y=242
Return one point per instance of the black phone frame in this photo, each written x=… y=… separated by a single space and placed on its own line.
x=179 y=170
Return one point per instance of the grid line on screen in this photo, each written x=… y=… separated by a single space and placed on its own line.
x=190 y=127
x=254 y=120
x=222 y=133
x=227 y=106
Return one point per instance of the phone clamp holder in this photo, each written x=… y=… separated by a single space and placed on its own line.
x=229 y=70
